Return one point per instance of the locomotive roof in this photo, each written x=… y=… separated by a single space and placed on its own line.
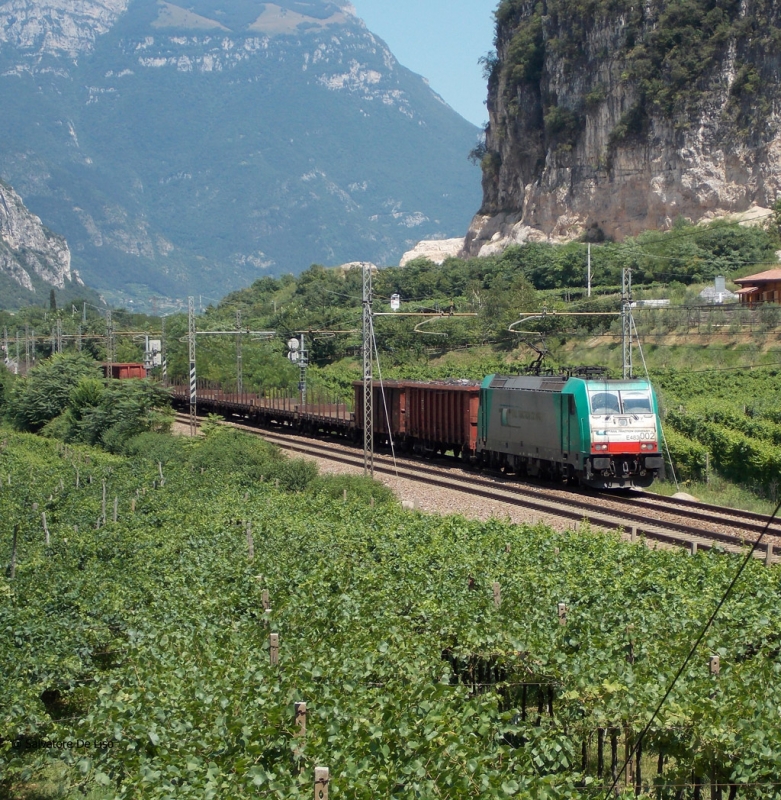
x=554 y=383
x=534 y=383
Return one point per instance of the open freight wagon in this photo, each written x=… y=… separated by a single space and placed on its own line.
x=424 y=417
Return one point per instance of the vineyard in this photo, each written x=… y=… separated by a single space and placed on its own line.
x=729 y=420
x=164 y=612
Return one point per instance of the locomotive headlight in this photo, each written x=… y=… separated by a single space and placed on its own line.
x=599 y=447
x=648 y=446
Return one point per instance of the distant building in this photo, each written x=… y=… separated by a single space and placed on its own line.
x=718 y=293
x=651 y=303
x=764 y=287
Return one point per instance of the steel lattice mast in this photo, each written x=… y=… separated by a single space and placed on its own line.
x=368 y=394
x=626 y=322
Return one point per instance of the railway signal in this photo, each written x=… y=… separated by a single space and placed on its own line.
x=298 y=354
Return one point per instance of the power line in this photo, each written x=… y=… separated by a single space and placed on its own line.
x=638 y=744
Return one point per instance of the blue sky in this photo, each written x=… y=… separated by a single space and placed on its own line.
x=440 y=40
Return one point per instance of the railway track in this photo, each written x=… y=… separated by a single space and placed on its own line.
x=654 y=517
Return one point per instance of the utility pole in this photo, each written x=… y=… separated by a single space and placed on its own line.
x=84 y=313
x=54 y=342
x=6 y=351
x=191 y=343
x=78 y=339
x=16 y=368
x=239 y=364
x=26 y=348
x=626 y=322
x=302 y=364
x=368 y=393
x=588 y=293
x=59 y=335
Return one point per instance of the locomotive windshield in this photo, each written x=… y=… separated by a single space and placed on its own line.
x=636 y=403
x=605 y=403
x=620 y=403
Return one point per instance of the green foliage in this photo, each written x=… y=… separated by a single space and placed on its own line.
x=65 y=398
x=6 y=381
x=562 y=124
x=45 y=393
x=358 y=488
x=148 y=634
x=526 y=51
x=731 y=416
x=671 y=57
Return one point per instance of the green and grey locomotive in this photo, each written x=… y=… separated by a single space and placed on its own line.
x=602 y=433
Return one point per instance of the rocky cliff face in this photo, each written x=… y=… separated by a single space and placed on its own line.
x=28 y=250
x=609 y=117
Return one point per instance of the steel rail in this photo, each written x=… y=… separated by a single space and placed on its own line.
x=575 y=509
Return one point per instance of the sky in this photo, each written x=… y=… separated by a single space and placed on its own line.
x=440 y=40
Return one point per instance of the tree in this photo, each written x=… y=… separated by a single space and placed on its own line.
x=44 y=394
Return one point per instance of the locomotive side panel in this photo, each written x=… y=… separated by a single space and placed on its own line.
x=524 y=424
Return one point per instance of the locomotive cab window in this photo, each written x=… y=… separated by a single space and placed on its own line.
x=636 y=403
x=605 y=403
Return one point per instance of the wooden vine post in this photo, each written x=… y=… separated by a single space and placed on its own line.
x=600 y=752
x=12 y=571
x=300 y=719
x=714 y=665
x=45 y=527
x=497 y=594
x=250 y=542
x=116 y=508
x=273 y=649
x=322 y=778
x=264 y=599
x=562 y=613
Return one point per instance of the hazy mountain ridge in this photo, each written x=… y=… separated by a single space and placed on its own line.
x=184 y=149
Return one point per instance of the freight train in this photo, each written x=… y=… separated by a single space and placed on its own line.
x=596 y=432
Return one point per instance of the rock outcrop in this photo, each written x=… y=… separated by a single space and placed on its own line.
x=436 y=250
x=28 y=249
x=607 y=119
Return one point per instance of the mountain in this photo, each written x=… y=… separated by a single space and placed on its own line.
x=33 y=260
x=610 y=117
x=194 y=148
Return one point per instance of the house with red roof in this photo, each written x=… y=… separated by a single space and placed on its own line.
x=765 y=287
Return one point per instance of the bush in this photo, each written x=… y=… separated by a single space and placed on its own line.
x=158 y=447
x=232 y=451
x=45 y=393
x=294 y=475
x=357 y=487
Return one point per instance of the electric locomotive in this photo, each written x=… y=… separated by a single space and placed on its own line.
x=602 y=433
